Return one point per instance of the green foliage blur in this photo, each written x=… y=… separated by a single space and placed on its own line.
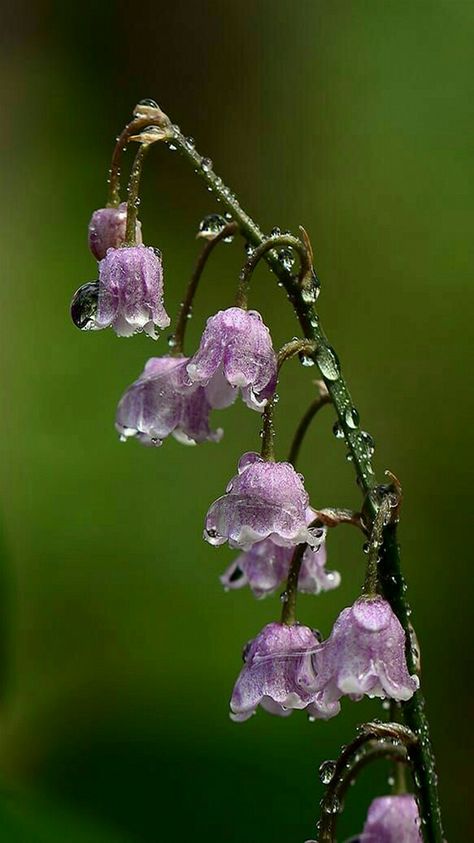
x=119 y=648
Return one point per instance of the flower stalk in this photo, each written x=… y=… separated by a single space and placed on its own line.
x=384 y=572
x=187 y=303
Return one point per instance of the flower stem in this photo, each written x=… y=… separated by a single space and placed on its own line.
x=314 y=408
x=334 y=798
x=187 y=303
x=133 y=195
x=303 y=347
x=361 y=457
x=288 y=612
x=375 y=740
x=133 y=128
x=371 y=585
x=272 y=243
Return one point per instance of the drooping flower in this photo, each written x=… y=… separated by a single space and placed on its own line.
x=365 y=654
x=107 y=230
x=236 y=345
x=278 y=673
x=265 y=566
x=393 y=819
x=161 y=403
x=264 y=500
x=131 y=291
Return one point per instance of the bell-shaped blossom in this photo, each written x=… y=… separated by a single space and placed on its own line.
x=393 y=819
x=264 y=500
x=237 y=345
x=161 y=403
x=265 y=567
x=365 y=654
x=131 y=291
x=107 y=230
x=278 y=673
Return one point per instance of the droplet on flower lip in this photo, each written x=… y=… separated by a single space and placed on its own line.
x=84 y=306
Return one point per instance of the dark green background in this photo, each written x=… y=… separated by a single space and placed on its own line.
x=354 y=118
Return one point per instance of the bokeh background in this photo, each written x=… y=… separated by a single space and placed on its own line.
x=118 y=647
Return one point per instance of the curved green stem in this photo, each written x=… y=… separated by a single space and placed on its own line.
x=133 y=198
x=137 y=125
x=268 y=429
x=314 y=408
x=272 y=244
x=388 y=737
x=187 y=303
x=288 y=612
x=361 y=457
x=334 y=799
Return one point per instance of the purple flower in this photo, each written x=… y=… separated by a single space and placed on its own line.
x=392 y=819
x=107 y=230
x=161 y=402
x=278 y=673
x=264 y=500
x=131 y=291
x=265 y=566
x=237 y=346
x=365 y=654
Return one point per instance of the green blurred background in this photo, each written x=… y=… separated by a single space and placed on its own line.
x=119 y=648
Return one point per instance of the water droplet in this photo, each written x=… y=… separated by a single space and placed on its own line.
x=172 y=146
x=328 y=363
x=352 y=417
x=212 y=225
x=172 y=341
x=311 y=290
x=338 y=431
x=287 y=258
x=284 y=597
x=190 y=143
x=148 y=102
x=326 y=771
x=275 y=232
x=212 y=536
x=206 y=164
x=305 y=360
x=331 y=805
x=84 y=306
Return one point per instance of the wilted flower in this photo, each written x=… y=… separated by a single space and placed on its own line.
x=131 y=291
x=264 y=500
x=278 y=673
x=365 y=654
x=265 y=566
x=392 y=819
x=161 y=402
x=237 y=346
x=107 y=230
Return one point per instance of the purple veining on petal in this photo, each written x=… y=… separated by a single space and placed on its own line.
x=264 y=500
x=161 y=403
x=236 y=347
x=131 y=291
x=365 y=654
x=278 y=673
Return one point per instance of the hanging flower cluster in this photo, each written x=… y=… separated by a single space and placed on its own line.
x=265 y=512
